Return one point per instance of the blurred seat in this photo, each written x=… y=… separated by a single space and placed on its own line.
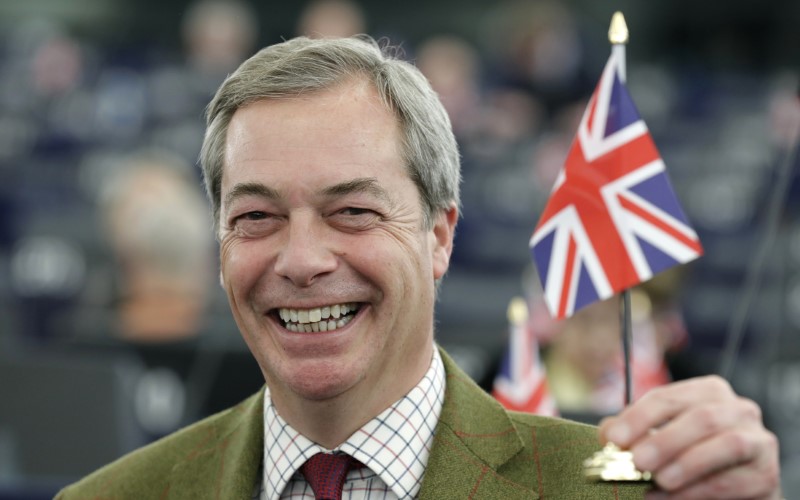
x=63 y=416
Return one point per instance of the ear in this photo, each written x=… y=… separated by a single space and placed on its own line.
x=444 y=229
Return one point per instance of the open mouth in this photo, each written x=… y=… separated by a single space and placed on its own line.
x=318 y=319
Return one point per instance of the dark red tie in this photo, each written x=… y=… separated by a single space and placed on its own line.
x=326 y=473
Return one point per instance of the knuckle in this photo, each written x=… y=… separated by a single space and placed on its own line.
x=773 y=443
x=718 y=385
x=772 y=454
x=750 y=409
x=708 y=419
x=656 y=400
x=740 y=446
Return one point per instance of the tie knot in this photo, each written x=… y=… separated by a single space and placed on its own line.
x=326 y=473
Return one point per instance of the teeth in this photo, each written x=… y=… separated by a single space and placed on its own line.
x=302 y=316
x=320 y=319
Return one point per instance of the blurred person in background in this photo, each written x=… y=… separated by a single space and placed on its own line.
x=584 y=356
x=154 y=299
x=156 y=223
x=539 y=49
x=580 y=355
x=339 y=187
x=497 y=127
x=453 y=68
x=331 y=19
x=218 y=35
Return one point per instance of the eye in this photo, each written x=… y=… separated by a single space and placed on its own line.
x=253 y=216
x=354 y=218
x=356 y=211
x=254 y=223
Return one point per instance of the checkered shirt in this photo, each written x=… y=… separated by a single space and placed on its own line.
x=394 y=447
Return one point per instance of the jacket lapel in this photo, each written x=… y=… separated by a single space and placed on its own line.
x=226 y=463
x=474 y=438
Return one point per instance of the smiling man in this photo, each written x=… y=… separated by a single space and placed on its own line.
x=333 y=176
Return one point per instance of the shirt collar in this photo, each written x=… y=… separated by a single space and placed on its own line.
x=395 y=444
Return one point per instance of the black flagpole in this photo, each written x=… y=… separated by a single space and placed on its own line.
x=618 y=36
x=627 y=334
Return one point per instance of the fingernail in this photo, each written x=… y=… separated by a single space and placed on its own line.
x=619 y=434
x=671 y=476
x=646 y=456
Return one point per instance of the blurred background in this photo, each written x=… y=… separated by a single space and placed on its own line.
x=114 y=331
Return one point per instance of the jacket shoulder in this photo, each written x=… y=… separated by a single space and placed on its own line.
x=145 y=472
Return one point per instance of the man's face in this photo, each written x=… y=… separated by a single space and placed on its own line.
x=324 y=257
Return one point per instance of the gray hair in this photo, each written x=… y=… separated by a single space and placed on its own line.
x=302 y=66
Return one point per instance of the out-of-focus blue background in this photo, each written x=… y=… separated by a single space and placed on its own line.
x=93 y=90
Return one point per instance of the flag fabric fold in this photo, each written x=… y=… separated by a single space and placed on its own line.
x=612 y=220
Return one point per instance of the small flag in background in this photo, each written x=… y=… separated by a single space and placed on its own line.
x=521 y=384
x=612 y=220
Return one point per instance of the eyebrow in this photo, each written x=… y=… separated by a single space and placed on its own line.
x=368 y=185
x=251 y=189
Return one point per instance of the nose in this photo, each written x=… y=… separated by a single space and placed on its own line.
x=305 y=254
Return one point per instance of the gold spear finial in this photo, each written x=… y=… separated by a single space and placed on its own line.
x=618 y=31
x=517 y=311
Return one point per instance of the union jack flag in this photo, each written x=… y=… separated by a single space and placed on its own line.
x=521 y=384
x=612 y=220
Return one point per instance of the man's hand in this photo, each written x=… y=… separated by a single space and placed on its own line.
x=700 y=440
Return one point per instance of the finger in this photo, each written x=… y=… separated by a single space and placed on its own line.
x=693 y=426
x=736 y=464
x=660 y=405
x=739 y=483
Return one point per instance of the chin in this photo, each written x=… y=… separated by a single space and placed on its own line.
x=322 y=383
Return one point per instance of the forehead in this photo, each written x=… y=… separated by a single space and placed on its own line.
x=347 y=127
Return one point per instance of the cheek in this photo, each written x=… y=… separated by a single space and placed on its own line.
x=411 y=261
x=239 y=266
x=395 y=265
x=381 y=249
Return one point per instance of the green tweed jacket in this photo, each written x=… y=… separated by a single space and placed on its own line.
x=480 y=451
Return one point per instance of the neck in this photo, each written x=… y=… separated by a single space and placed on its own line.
x=331 y=421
